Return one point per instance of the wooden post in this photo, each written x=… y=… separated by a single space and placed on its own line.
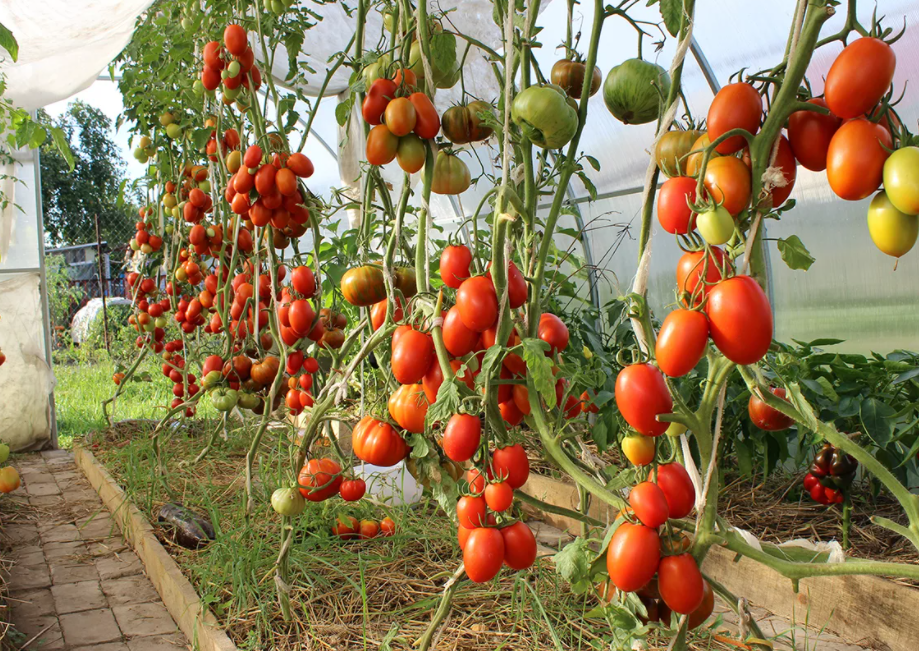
x=102 y=280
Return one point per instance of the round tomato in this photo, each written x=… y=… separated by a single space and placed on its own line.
x=353 y=489
x=810 y=133
x=671 y=150
x=378 y=313
x=363 y=286
x=519 y=546
x=510 y=464
x=346 y=527
x=690 y=268
x=553 y=331
x=892 y=231
x=859 y=77
x=462 y=437
x=412 y=356
x=382 y=145
x=642 y=395
x=387 y=527
x=463 y=124
x=785 y=161
x=638 y=449
x=470 y=511
x=856 y=157
x=368 y=529
x=410 y=154
x=378 y=96
x=727 y=180
x=499 y=496
x=458 y=339
x=740 y=319
x=454 y=265
x=633 y=556
x=399 y=116
x=716 y=226
x=673 y=211
x=378 y=443
x=680 y=583
x=546 y=116
x=483 y=554
x=766 y=417
x=677 y=487
x=477 y=303
x=285 y=501
x=427 y=121
x=649 y=504
x=901 y=179
x=569 y=75
x=409 y=407
x=319 y=479
x=736 y=106
x=451 y=175
x=681 y=342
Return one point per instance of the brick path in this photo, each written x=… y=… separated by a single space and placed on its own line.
x=76 y=584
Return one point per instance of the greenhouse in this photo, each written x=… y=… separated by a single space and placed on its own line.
x=473 y=325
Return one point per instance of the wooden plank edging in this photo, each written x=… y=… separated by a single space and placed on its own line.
x=181 y=600
x=865 y=610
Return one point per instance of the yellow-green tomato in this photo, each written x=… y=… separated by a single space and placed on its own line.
x=675 y=429
x=901 y=179
x=288 y=501
x=716 y=225
x=892 y=231
x=376 y=70
x=173 y=130
x=4 y=452
x=211 y=379
x=204 y=186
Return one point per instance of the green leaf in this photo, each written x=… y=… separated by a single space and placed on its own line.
x=443 y=51
x=848 y=407
x=828 y=389
x=59 y=138
x=588 y=184
x=908 y=375
x=38 y=137
x=672 y=13
x=540 y=368
x=447 y=402
x=573 y=564
x=599 y=434
x=419 y=445
x=343 y=111
x=200 y=137
x=8 y=42
x=594 y=163
x=875 y=416
x=795 y=254
x=744 y=458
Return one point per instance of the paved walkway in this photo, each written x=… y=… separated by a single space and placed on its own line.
x=76 y=584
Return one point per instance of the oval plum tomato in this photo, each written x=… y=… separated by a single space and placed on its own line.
x=727 y=180
x=234 y=37
x=409 y=407
x=378 y=443
x=476 y=480
x=810 y=133
x=516 y=286
x=680 y=583
x=378 y=96
x=856 y=157
x=642 y=395
x=649 y=504
x=511 y=464
x=211 y=55
x=483 y=554
x=301 y=317
x=736 y=106
x=382 y=145
x=673 y=211
x=681 y=342
x=901 y=179
x=674 y=481
x=859 y=77
x=286 y=181
x=410 y=154
x=519 y=546
x=353 y=489
x=412 y=356
x=368 y=529
x=477 y=303
x=694 y=160
x=303 y=281
x=378 y=313
x=319 y=479
x=470 y=511
x=499 y=496
x=462 y=535
x=633 y=555
x=740 y=319
x=399 y=116
x=766 y=417
x=785 y=161
x=690 y=268
x=553 y=331
x=639 y=450
x=892 y=231
x=454 y=265
x=427 y=120
x=300 y=165
x=462 y=437
x=510 y=412
x=458 y=339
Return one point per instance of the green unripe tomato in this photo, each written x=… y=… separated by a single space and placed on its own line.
x=204 y=186
x=160 y=322
x=187 y=24
x=173 y=130
x=675 y=429
x=892 y=231
x=223 y=399
x=211 y=379
x=248 y=400
x=140 y=155
x=901 y=179
x=716 y=226
x=146 y=248
x=232 y=93
x=545 y=116
x=134 y=245
x=198 y=87
x=233 y=69
x=277 y=7
x=170 y=229
x=166 y=119
x=150 y=327
x=288 y=501
x=4 y=452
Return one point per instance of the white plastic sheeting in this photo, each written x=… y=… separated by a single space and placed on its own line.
x=86 y=315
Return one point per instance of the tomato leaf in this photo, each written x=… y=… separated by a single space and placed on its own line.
x=8 y=42
x=343 y=111
x=794 y=253
x=447 y=403
x=200 y=137
x=491 y=361
x=573 y=565
x=540 y=368
x=599 y=434
x=59 y=138
x=443 y=52
x=828 y=390
x=744 y=458
x=875 y=416
x=672 y=13
x=588 y=184
x=594 y=163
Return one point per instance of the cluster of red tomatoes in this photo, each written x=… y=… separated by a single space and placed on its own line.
x=148 y=318
x=145 y=240
x=184 y=384
x=301 y=370
x=830 y=475
x=347 y=527
x=234 y=66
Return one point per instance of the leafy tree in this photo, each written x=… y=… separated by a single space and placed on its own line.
x=95 y=186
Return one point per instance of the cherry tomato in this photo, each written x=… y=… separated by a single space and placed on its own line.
x=642 y=395
x=740 y=319
x=681 y=342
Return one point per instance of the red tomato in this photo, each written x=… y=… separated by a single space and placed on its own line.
x=234 y=37
x=412 y=356
x=458 y=339
x=388 y=528
x=856 y=157
x=740 y=319
x=454 y=265
x=736 y=106
x=303 y=281
x=511 y=464
x=766 y=417
x=689 y=271
x=462 y=535
x=353 y=489
x=859 y=77
x=499 y=496
x=483 y=554
x=301 y=166
x=476 y=480
x=427 y=122
x=368 y=529
x=400 y=116
x=301 y=316
x=673 y=211
x=677 y=487
x=785 y=161
x=382 y=145
x=378 y=313
x=553 y=331
x=346 y=527
x=649 y=504
x=641 y=395
x=212 y=57
x=462 y=437
x=680 y=583
x=319 y=479
x=809 y=134
x=519 y=546
x=516 y=286
x=727 y=180
x=470 y=511
x=409 y=407
x=633 y=556
x=376 y=99
x=681 y=342
x=434 y=378
x=510 y=413
x=477 y=303
x=378 y=443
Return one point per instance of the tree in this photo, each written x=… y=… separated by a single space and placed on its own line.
x=95 y=186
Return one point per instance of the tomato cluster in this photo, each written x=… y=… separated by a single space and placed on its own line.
x=347 y=527
x=232 y=65
x=144 y=239
x=830 y=475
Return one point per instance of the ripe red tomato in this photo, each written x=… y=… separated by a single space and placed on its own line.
x=859 y=77
x=810 y=133
x=681 y=342
x=736 y=106
x=766 y=417
x=427 y=122
x=378 y=443
x=727 y=180
x=353 y=489
x=301 y=316
x=673 y=211
x=553 y=331
x=477 y=303
x=303 y=281
x=378 y=96
x=680 y=583
x=454 y=265
x=388 y=528
x=378 y=313
x=856 y=157
x=409 y=407
x=412 y=355
x=346 y=527
x=476 y=480
x=382 y=145
x=689 y=271
x=677 y=487
x=458 y=339
x=633 y=556
x=462 y=437
x=641 y=395
x=319 y=479
x=511 y=464
x=368 y=529
x=516 y=286
x=499 y=496
x=399 y=116
x=510 y=412
x=785 y=161
x=300 y=165
x=434 y=378
x=649 y=504
x=740 y=319
x=519 y=546
x=212 y=59
x=470 y=511
x=483 y=554
x=234 y=37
